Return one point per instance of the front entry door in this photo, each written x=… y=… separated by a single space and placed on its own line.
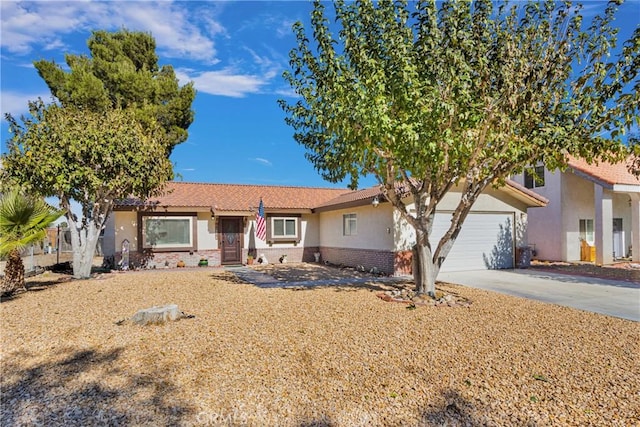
x=618 y=239
x=231 y=240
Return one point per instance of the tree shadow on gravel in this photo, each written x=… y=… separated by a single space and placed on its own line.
x=320 y=422
x=304 y=272
x=54 y=394
x=33 y=286
x=343 y=287
x=456 y=411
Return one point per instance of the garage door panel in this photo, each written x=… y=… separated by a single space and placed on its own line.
x=485 y=241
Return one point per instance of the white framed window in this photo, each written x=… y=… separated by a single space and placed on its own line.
x=161 y=232
x=284 y=227
x=534 y=178
x=586 y=231
x=349 y=224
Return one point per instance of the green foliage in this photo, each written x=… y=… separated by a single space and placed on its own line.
x=425 y=96
x=109 y=136
x=459 y=91
x=123 y=72
x=23 y=220
x=91 y=157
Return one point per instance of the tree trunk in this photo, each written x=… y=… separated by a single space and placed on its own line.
x=424 y=271
x=13 y=273
x=83 y=243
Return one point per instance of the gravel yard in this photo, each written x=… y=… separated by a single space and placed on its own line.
x=322 y=356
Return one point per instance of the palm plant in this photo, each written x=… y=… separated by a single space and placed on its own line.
x=23 y=222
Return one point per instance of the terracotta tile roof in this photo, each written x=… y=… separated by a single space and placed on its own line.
x=353 y=197
x=365 y=196
x=608 y=173
x=245 y=197
x=238 y=197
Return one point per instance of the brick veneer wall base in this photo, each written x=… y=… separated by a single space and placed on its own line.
x=352 y=257
x=273 y=254
x=170 y=259
x=403 y=264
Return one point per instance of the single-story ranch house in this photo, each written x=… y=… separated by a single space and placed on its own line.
x=217 y=222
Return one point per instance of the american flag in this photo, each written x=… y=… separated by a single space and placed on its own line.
x=261 y=223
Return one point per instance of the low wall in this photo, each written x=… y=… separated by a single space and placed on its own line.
x=368 y=258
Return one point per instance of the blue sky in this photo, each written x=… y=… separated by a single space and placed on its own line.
x=234 y=52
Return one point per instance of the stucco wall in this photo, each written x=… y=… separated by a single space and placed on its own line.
x=577 y=204
x=374 y=228
x=125 y=228
x=207 y=237
x=308 y=229
x=544 y=225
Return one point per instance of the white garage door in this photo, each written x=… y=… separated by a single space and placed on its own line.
x=485 y=242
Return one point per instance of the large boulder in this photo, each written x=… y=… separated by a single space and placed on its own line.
x=157 y=315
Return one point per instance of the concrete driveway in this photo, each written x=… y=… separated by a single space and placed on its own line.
x=610 y=297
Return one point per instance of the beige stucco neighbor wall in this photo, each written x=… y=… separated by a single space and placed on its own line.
x=577 y=203
x=555 y=229
x=544 y=225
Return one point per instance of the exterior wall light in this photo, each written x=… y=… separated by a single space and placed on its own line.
x=375 y=202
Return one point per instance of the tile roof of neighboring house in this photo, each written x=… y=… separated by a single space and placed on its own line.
x=605 y=172
x=238 y=197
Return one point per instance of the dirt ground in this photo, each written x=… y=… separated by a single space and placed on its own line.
x=327 y=356
x=624 y=271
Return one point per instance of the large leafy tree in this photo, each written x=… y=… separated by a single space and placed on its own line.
x=23 y=222
x=92 y=158
x=123 y=72
x=116 y=119
x=428 y=97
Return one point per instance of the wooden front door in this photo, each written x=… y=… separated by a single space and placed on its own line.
x=231 y=240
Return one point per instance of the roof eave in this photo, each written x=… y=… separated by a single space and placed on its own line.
x=350 y=204
x=525 y=195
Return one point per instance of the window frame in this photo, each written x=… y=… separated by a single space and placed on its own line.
x=352 y=220
x=295 y=238
x=187 y=247
x=534 y=178
x=583 y=230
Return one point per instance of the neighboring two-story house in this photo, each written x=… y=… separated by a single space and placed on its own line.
x=594 y=207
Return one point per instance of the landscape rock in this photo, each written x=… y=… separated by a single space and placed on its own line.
x=157 y=315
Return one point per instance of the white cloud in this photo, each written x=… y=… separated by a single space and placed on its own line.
x=286 y=92
x=285 y=28
x=224 y=82
x=16 y=103
x=263 y=161
x=173 y=24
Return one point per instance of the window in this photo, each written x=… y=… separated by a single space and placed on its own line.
x=284 y=228
x=167 y=232
x=534 y=178
x=349 y=225
x=586 y=231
